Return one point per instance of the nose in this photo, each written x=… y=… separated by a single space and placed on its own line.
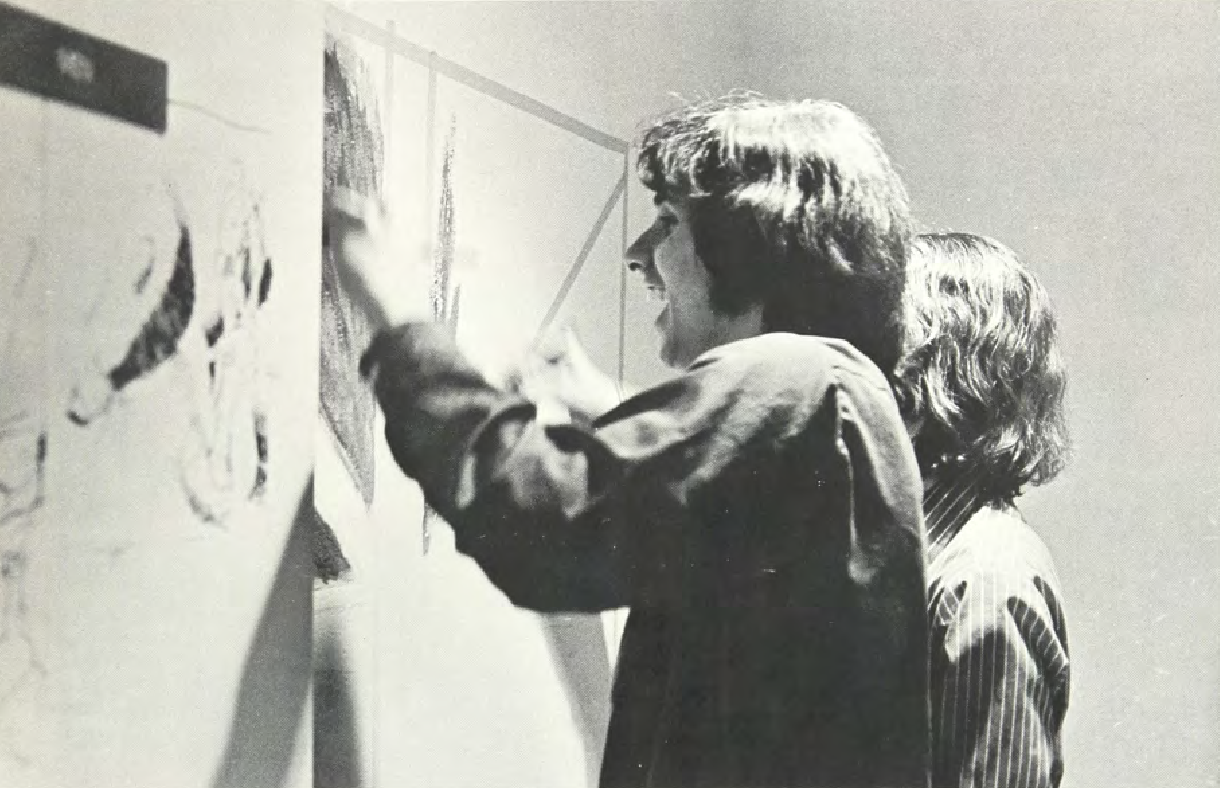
x=639 y=254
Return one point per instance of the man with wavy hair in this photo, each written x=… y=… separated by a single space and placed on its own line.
x=760 y=512
x=981 y=384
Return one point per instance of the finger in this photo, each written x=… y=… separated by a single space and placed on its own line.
x=339 y=225
x=344 y=201
x=349 y=212
x=551 y=349
x=514 y=379
x=575 y=352
x=571 y=343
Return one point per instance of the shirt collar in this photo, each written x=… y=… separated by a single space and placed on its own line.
x=948 y=502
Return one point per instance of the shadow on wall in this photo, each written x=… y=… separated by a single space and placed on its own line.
x=275 y=679
x=336 y=740
x=577 y=644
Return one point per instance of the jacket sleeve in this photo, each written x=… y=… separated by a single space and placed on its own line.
x=570 y=517
x=999 y=687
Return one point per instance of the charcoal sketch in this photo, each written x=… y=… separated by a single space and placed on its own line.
x=353 y=158
x=226 y=461
x=158 y=337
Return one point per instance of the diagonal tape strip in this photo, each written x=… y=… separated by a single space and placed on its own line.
x=574 y=271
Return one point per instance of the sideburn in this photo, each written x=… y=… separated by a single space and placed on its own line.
x=734 y=249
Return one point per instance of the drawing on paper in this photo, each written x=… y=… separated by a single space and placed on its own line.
x=445 y=293
x=23 y=456
x=157 y=339
x=353 y=158
x=226 y=460
x=353 y=151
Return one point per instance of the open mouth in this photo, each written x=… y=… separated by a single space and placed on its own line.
x=662 y=319
x=657 y=295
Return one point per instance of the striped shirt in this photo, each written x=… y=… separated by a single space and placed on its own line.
x=999 y=658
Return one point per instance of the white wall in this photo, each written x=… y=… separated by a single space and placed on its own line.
x=450 y=684
x=129 y=623
x=608 y=64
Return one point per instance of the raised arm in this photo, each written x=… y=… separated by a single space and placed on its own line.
x=565 y=516
x=622 y=511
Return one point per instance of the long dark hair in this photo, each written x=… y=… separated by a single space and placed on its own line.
x=793 y=205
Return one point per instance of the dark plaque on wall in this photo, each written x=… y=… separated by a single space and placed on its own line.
x=56 y=62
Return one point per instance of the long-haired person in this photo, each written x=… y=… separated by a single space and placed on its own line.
x=760 y=512
x=982 y=386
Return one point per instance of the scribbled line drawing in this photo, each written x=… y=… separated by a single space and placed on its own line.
x=444 y=294
x=229 y=426
x=226 y=457
x=353 y=157
x=156 y=341
x=23 y=454
x=25 y=494
x=354 y=147
x=353 y=150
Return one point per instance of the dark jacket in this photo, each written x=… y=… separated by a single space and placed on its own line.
x=760 y=514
